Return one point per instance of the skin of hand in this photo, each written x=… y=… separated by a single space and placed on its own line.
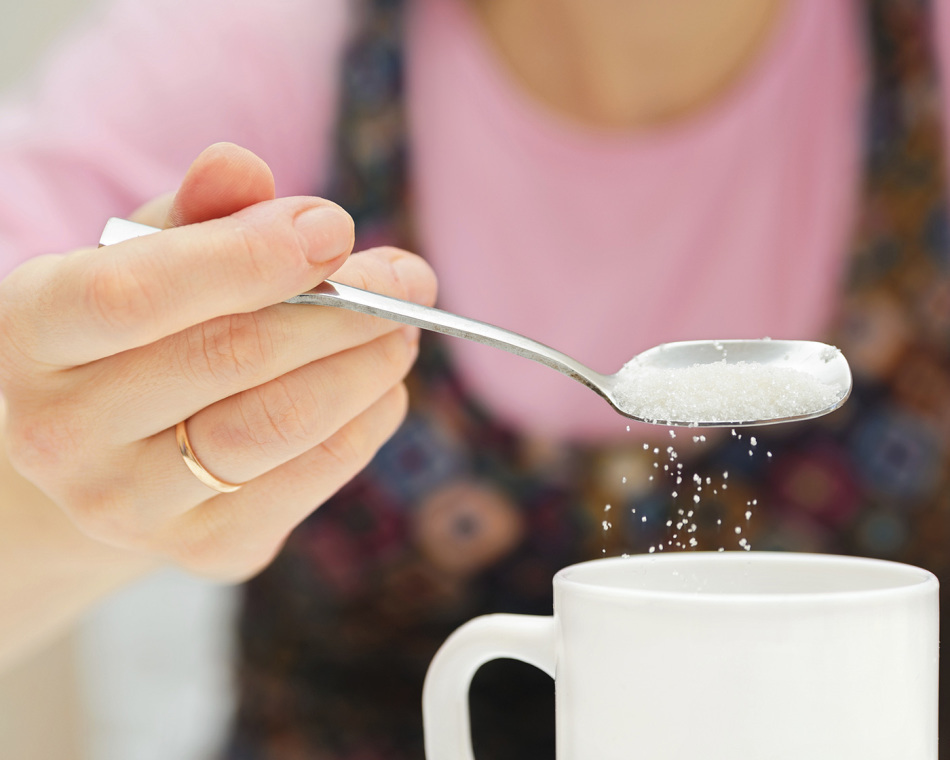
x=103 y=351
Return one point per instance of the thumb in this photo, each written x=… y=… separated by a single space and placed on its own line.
x=224 y=179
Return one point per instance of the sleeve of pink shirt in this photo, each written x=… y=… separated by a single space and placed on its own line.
x=125 y=102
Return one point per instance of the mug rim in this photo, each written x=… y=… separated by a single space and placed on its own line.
x=918 y=580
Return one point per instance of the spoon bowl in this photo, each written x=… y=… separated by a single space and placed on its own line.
x=701 y=383
x=732 y=383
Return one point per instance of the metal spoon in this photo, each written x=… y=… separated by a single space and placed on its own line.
x=821 y=362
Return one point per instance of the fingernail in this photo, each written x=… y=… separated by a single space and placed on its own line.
x=328 y=231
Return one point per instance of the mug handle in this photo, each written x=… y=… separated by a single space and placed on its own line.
x=445 y=714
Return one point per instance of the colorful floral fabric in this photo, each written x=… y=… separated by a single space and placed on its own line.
x=458 y=516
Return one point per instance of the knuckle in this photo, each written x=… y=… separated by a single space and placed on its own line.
x=117 y=297
x=28 y=306
x=251 y=247
x=286 y=411
x=386 y=360
x=378 y=272
x=352 y=447
x=266 y=252
x=276 y=413
x=12 y=354
x=362 y=276
x=43 y=443
x=222 y=351
x=348 y=449
x=15 y=358
x=99 y=511
x=51 y=450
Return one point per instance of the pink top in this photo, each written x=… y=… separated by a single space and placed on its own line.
x=732 y=223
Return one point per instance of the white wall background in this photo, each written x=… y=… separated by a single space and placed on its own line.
x=28 y=28
x=146 y=675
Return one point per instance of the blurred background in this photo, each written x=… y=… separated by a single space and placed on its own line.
x=146 y=676
x=29 y=28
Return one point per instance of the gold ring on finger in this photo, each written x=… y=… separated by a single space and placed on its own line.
x=198 y=469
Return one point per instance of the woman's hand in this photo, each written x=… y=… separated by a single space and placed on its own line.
x=103 y=351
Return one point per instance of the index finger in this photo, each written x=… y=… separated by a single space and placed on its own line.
x=74 y=309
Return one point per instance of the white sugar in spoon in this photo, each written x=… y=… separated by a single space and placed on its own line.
x=700 y=383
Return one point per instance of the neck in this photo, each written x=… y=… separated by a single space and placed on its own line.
x=627 y=63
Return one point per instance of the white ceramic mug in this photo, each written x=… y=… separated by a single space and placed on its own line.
x=708 y=656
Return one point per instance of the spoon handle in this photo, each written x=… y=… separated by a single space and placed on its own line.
x=336 y=294
x=331 y=293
